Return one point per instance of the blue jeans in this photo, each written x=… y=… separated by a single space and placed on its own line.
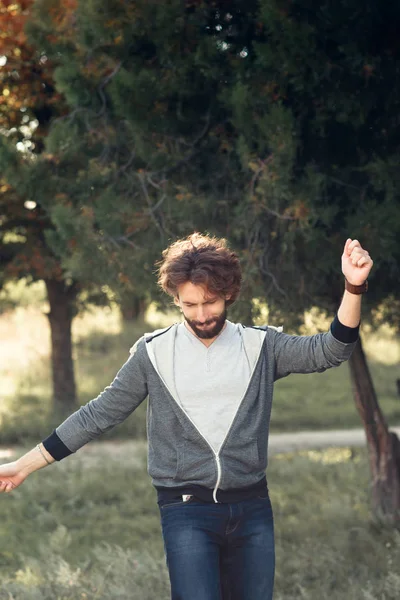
x=219 y=551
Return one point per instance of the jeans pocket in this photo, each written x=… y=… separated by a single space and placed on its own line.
x=263 y=496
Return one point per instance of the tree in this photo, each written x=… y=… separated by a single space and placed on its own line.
x=129 y=160
x=27 y=103
x=29 y=243
x=272 y=122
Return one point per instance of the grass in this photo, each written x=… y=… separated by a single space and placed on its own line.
x=88 y=528
x=325 y=400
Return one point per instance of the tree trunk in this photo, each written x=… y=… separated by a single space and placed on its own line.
x=383 y=445
x=61 y=299
x=133 y=307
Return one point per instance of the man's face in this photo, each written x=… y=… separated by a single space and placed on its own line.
x=204 y=311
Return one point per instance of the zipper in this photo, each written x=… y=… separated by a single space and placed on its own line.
x=218 y=478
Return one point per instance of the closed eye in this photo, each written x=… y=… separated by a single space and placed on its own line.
x=189 y=305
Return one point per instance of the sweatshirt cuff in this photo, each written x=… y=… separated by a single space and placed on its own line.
x=56 y=447
x=347 y=335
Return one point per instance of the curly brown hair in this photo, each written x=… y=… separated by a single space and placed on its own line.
x=202 y=260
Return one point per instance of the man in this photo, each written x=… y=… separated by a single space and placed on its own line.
x=210 y=384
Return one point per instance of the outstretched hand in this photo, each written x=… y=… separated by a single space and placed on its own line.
x=356 y=262
x=10 y=477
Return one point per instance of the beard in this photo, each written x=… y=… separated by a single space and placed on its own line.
x=211 y=328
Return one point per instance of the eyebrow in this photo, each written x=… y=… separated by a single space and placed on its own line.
x=205 y=301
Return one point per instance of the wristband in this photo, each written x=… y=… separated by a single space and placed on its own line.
x=356 y=289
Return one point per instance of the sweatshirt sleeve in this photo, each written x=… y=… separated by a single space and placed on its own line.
x=112 y=406
x=313 y=353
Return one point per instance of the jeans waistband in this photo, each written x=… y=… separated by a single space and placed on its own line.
x=204 y=494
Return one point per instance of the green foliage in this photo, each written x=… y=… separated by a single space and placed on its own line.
x=264 y=122
x=153 y=128
x=248 y=122
x=333 y=184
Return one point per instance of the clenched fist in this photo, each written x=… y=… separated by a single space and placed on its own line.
x=356 y=262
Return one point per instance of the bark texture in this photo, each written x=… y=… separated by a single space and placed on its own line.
x=62 y=299
x=383 y=445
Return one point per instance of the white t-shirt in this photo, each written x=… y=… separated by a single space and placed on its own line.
x=211 y=381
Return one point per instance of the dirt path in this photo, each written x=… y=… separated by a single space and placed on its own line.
x=278 y=443
x=313 y=440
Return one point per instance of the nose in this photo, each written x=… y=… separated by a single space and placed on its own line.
x=201 y=316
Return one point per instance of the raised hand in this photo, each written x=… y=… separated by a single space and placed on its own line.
x=356 y=262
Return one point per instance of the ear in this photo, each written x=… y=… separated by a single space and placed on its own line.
x=177 y=301
x=228 y=296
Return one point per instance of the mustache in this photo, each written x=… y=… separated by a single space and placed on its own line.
x=214 y=320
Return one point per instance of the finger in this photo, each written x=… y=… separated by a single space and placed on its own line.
x=365 y=260
x=346 y=246
x=354 y=244
x=355 y=257
x=357 y=253
x=4 y=483
x=9 y=487
x=361 y=261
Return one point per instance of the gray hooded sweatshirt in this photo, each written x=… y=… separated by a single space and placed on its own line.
x=179 y=456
